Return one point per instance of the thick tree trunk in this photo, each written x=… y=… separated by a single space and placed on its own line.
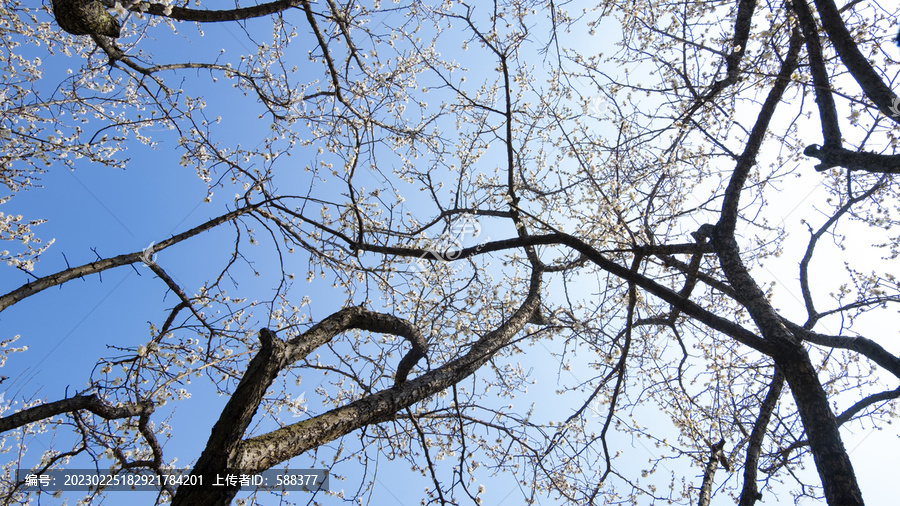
x=831 y=458
x=227 y=433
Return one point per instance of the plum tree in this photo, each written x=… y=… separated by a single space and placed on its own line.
x=478 y=186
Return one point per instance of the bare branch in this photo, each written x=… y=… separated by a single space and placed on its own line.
x=61 y=277
x=750 y=493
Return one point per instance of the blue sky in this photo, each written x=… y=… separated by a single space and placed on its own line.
x=115 y=211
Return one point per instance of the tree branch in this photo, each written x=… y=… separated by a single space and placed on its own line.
x=92 y=403
x=207 y=16
x=862 y=404
x=862 y=71
x=709 y=472
x=221 y=452
x=265 y=451
x=686 y=306
x=832 y=156
x=867 y=347
x=831 y=130
x=750 y=493
x=29 y=289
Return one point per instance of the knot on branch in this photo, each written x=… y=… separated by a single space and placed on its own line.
x=268 y=339
x=814 y=151
x=537 y=316
x=717 y=452
x=85 y=17
x=272 y=349
x=705 y=233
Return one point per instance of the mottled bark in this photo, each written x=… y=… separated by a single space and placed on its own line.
x=215 y=16
x=226 y=451
x=85 y=17
x=90 y=403
x=233 y=422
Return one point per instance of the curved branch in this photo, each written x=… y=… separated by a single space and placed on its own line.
x=92 y=403
x=360 y=318
x=862 y=404
x=265 y=451
x=207 y=16
x=221 y=450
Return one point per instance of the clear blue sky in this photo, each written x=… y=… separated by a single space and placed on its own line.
x=114 y=211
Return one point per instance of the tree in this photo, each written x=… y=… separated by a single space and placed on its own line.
x=627 y=205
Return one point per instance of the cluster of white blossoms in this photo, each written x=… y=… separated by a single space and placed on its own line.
x=122 y=9
x=15 y=228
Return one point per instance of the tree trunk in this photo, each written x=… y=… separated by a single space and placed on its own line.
x=832 y=460
x=217 y=458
